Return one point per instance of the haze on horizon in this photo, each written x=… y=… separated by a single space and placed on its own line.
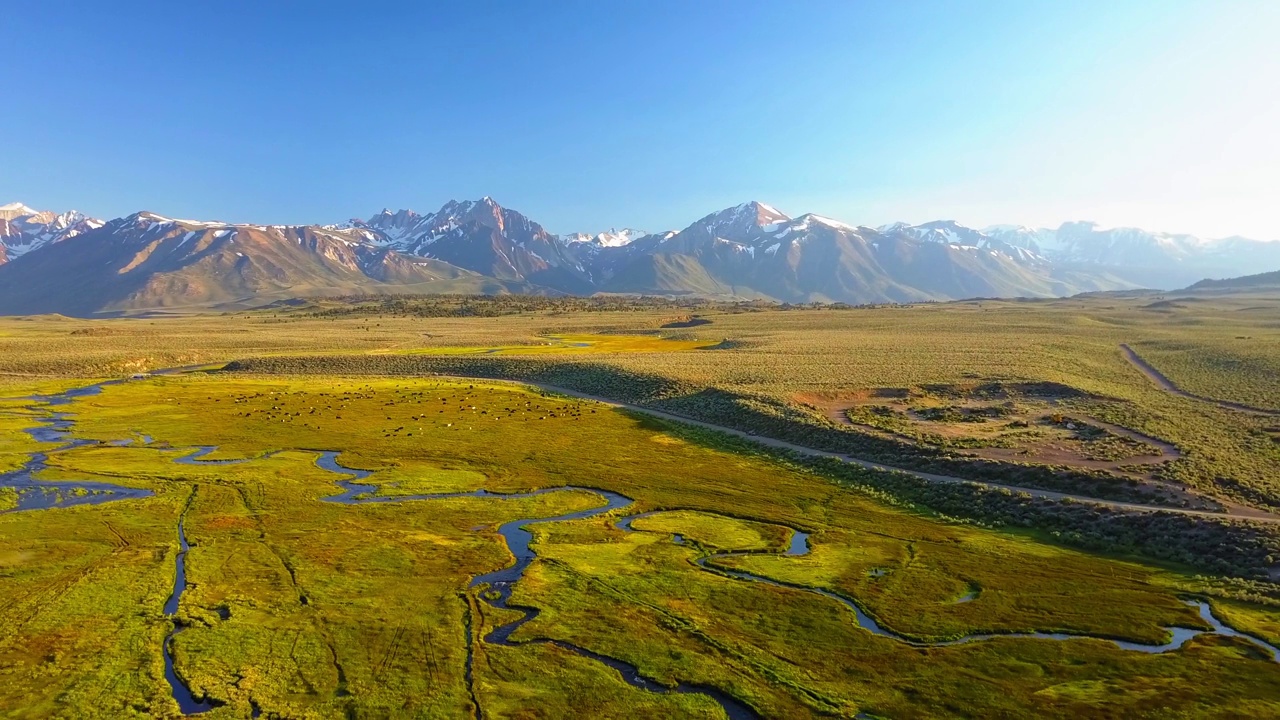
x=1159 y=115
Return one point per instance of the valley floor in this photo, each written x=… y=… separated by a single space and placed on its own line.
x=660 y=529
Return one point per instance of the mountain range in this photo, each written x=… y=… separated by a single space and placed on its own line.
x=77 y=265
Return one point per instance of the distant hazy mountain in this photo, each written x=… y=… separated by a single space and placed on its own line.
x=73 y=264
x=609 y=239
x=603 y=254
x=753 y=250
x=1150 y=259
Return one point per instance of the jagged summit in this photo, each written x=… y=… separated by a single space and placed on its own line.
x=24 y=229
x=394 y=225
x=481 y=236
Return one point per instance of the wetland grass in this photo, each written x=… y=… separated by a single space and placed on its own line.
x=301 y=606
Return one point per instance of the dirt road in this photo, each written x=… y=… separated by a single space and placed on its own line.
x=1236 y=513
x=1167 y=385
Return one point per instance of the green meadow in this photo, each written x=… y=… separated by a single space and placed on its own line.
x=297 y=606
x=575 y=344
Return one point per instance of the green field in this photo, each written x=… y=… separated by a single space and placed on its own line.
x=301 y=607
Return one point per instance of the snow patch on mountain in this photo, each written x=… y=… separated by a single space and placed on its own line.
x=24 y=229
x=741 y=221
x=15 y=209
x=609 y=238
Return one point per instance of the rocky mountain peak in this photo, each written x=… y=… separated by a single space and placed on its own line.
x=24 y=229
x=741 y=221
x=387 y=220
x=485 y=212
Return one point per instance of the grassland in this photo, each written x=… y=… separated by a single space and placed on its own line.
x=1232 y=369
x=774 y=355
x=716 y=532
x=15 y=445
x=606 y=595
x=575 y=344
x=1044 y=422
x=301 y=607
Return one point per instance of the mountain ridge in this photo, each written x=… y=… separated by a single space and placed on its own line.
x=1257 y=281
x=74 y=264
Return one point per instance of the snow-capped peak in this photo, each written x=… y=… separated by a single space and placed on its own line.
x=764 y=214
x=740 y=221
x=1008 y=228
x=830 y=223
x=609 y=238
x=148 y=216
x=754 y=211
x=765 y=209
x=391 y=225
x=23 y=229
x=947 y=232
x=15 y=210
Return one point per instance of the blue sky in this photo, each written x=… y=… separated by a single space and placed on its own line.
x=591 y=115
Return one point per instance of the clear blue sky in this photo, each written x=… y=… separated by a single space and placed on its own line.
x=650 y=114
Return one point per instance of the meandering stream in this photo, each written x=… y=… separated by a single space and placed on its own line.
x=55 y=427
x=497 y=585
x=799 y=546
x=187 y=702
x=1179 y=635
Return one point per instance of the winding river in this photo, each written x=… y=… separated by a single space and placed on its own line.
x=497 y=585
x=55 y=427
x=799 y=546
x=187 y=702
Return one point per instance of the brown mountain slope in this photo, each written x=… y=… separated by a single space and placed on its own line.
x=147 y=261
